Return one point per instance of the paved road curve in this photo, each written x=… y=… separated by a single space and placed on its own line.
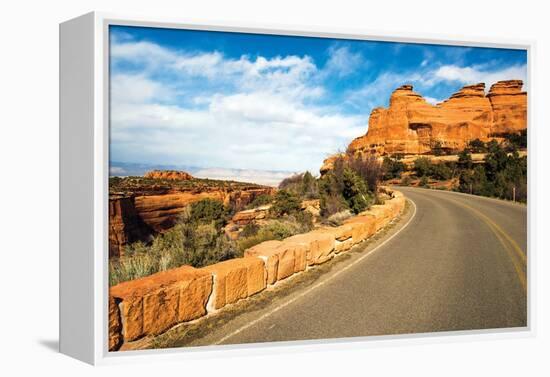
x=459 y=264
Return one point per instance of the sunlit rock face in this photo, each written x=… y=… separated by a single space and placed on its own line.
x=411 y=125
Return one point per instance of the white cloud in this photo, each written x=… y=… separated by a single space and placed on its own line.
x=116 y=170
x=277 y=73
x=127 y=88
x=377 y=92
x=342 y=62
x=431 y=100
x=263 y=115
x=254 y=131
x=473 y=75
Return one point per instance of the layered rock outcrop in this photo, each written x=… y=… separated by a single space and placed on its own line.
x=410 y=125
x=173 y=175
x=139 y=217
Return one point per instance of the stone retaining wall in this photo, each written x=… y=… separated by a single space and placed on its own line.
x=151 y=305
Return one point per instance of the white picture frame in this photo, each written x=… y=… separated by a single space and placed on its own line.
x=84 y=159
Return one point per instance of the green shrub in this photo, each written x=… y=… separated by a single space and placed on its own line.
x=499 y=175
x=355 y=192
x=250 y=229
x=516 y=140
x=392 y=168
x=339 y=217
x=205 y=211
x=332 y=203
x=343 y=188
x=441 y=171
x=424 y=181
x=422 y=166
x=285 y=203
x=260 y=200
x=406 y=180
x=303 y=185
x=368 y=168
x=192 y=244
x=273 y=230
x=304 y=219
x=465 y=159
x=477 y=146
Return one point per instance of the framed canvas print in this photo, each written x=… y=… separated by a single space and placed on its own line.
x=226 y=187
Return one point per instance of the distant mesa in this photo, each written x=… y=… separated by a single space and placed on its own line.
x=411 y=125
x=173 y=175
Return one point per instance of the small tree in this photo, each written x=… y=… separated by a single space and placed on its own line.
x=367 y=167
x=355 y=192
x=422 y=166
x=465 y=159
x=441 y=171
x=285 y=203
x=477 y=146
x=205 y=211
x=392 y=168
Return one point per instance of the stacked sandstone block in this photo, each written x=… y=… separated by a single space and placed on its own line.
x=151 y=305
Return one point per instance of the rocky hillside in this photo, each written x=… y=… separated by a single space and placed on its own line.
x=140 y=207
x=174 y=175
x=410 y=125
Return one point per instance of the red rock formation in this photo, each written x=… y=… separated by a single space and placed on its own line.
x=125 y=224
x=509 y=105
x=138 y=218
x=173 y=175
x=413 y=126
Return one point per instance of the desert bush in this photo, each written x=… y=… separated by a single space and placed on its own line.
x=189 y=243
x=250 y=229
x=355 y=192
x=303 y=185
x=515 y=141
x=406 y=180
x=422 y=166
x=206 y=211
x=465 y=159
x=273 y=230
x=343 y=188
x=498 y=176
x=441 y=171
x=477 y=146
x=285 y=203
x=332 y=203
x=423 y=181
x=260 y=200
x=368 y=168
x=392 y=168
x=338 y=218
x=304 y=219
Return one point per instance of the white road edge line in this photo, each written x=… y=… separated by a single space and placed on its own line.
x=276 y=309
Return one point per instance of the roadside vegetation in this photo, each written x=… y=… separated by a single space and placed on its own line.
x=501 y=174
x=199 y=237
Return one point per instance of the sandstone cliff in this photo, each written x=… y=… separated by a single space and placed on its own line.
x=173 y=175
x=410 y=125
x=145 y=210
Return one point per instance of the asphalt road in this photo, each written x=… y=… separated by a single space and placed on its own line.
x=456 y=262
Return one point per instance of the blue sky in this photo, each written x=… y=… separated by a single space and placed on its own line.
x=249 y=101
